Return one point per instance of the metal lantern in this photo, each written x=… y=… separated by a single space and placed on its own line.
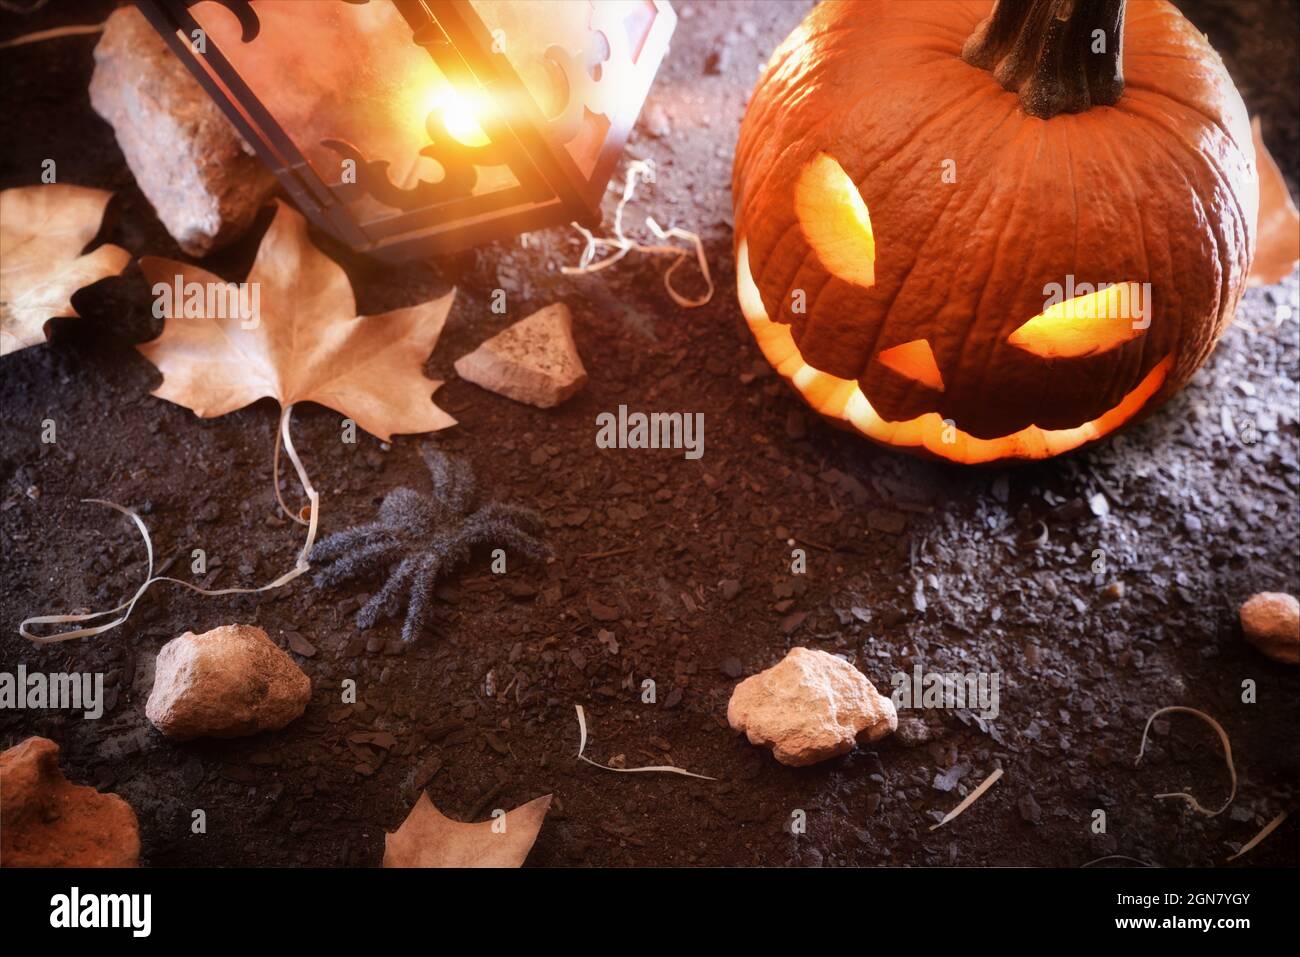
x=412 y=127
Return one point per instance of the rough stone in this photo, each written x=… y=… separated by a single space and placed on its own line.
x=203 y=180
x=1271 y=622
x=225 y=683
x=535 y=361
x=810 y=707
x=47 y=821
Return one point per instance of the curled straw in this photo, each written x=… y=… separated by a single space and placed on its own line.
x=42 y=35
x=1227 y=754
x=970 y=799
x=128 y=606
x=642 y=171
x=1269 y=828
x=582 y=746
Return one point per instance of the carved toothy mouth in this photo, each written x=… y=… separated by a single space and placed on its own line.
x=843 y=399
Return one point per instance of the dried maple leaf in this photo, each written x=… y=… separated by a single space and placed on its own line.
x=429 y=839
x=307 y=345
x=1277 y=245
x=43 y=230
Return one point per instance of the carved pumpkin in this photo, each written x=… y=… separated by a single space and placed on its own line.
x=962 y=230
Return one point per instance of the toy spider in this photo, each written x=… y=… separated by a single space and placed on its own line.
x=425 y=536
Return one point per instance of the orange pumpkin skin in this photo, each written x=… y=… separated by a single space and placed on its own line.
x=975 y=209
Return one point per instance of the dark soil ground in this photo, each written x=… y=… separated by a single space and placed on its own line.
x=910 y=562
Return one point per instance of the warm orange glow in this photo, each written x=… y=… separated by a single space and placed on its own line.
x=835 y=221
x=460 y=112
x=843 y=399
x=1087 y=324
x=915 y=360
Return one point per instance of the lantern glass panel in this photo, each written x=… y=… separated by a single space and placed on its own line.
x=578 y=62
x=340 y=73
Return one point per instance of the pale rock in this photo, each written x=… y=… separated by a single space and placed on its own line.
x=203 y=180
x=810 y=707
x=47 y=821
x=225 y=683
x=534 y=361
x=1271 y=622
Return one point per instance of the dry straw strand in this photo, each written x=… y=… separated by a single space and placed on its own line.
x=1227 y=754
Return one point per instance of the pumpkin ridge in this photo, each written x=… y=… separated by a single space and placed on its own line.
x=1002 y=238
x=1188 y=360
x=1226 y=305
x=1118 y=368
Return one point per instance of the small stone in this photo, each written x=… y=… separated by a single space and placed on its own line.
x=47 y=821
x=810 y=707
x=1271 y=622
x=225 y=683
x=534 y=361
x=1030 y=812
x=654 y=120
x=912 y=732
x=300 y=645
x=203 y=180
x=602 y=612
x=729 y=588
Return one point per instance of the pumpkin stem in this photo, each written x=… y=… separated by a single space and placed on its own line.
x=1062 y=56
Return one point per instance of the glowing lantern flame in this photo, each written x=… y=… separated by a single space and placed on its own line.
x=459 y=112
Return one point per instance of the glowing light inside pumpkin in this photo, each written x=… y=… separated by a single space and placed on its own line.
x=1086 y=325
x=459 y=111
x=835 y=221
x=843 y=398
x=915 y=360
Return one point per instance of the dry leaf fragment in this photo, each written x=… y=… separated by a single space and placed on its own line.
x=43 y=230
x=427 y=838
x=1277 y=244
x=306 y=343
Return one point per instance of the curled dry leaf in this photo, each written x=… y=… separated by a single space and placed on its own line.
x=43 y=230
x=427 y=838
x=306 y=343
x=1277 y=247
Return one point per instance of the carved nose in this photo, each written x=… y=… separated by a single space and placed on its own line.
x=915 y=360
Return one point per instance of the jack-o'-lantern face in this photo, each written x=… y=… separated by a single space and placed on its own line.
x=928 y=265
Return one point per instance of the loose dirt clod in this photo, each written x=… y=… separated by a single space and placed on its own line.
x=194 y=168
x=47 y=821
x=535 y=361
x=1271 y=622
x=225 y=683
x=809 y=707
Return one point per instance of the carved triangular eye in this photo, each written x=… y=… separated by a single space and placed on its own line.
x=915 y=360
x=1088 y=324
x=835 y=221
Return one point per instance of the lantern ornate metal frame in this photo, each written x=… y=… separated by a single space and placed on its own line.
x=555 y=87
